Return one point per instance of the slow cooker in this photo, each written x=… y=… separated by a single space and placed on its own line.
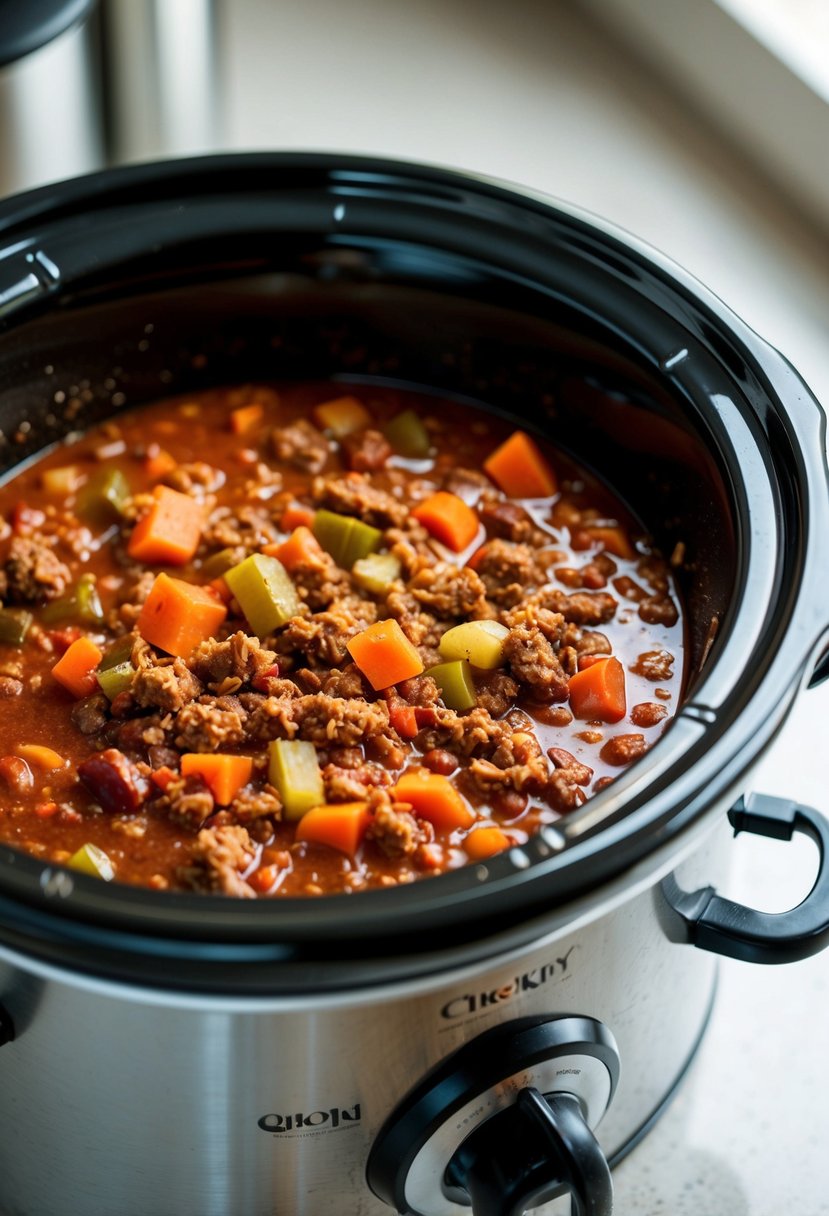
x=498 y=1037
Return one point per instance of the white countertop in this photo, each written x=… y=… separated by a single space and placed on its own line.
x=534 y=93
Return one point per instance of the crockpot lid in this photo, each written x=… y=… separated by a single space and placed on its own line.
x=26 y=25
x=752 y=406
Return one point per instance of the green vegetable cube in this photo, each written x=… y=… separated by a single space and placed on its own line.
x=14 y=625
x=101 y=501
x=294 y=769
x=480 y=642
x=116 y=679
x=89 y=859
x=263 y=589
x=345 y=538
x=376 y=572
x=455 y=683
x=407 y=435
x=81 y=603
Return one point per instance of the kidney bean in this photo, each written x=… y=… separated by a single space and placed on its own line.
x=114 y=781
x=440 y=761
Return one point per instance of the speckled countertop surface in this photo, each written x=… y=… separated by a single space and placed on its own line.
x=533 y=92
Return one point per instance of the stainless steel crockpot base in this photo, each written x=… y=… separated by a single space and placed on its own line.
x=271 y=1107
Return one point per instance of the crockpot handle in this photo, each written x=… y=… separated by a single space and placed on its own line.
x=724 y=927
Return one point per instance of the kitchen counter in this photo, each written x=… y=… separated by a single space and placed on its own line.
x=536 y=93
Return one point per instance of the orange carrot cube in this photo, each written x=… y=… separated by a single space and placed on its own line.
x=177 y=616
x=384 y=654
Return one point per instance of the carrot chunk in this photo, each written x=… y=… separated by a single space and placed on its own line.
x=75 y=669
x=177 y=616
x=223 y=773
x=342 y=416
x=245 y=418
x=449 y=520
x=300 y=549
x=384 y=654
x=296 y=516
x=610 y=538
x=340 y=825
x=434 y=797
x=170 y=531
x=519 y=468
x=158 y=462
x=597 y=693
x=485 y=841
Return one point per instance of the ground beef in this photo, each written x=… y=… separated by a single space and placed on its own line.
x=271 y=718
x=421 y=628
x=562 y=792
x=355 y=495
x=648 y=713
x=419 y=690
x=623 y=749
x=196 y=478
x=225 y=666
x=187 y=801
x=324 y=719
x=301 y=445
x=169 y=686
x=348 y=682
x=659 y=610
x=449 y=591
x=32 y=572
x=491 y=781
x=473 y=733
x=582 y=607
x=240 y=529
x=535 y=664
x=655 y=665
x=250 y=804
x=395 y=830
x=468 y=484
x=9 y=687
x=496 y=692
x=366 y=451
x=218 y=857
x=353 y=784
x=322 y=637
x=207 y=725
x=508 y=570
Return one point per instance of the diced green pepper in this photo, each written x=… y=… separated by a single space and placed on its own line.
x=217 y=564
x=101 y=501
x=294 y=769
x=345 y=538
x=455 y=683
x=407 y=434
x=480 y=642
x=263 y=589
x=376 y=572
x=82 y=603
x=116 y=679
x=14 y=625
x=89 y=859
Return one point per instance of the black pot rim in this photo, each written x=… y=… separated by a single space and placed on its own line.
x=775 y=636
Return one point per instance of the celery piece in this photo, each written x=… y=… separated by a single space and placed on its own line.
x=89 y=859
x=218 y=563
x=116 y=679
x=294 y=769
x=377 y=572
x=101 y=501
x=480 y=642
x=407 y=434
x=82 y=603
x=263 y=589
x=345 y=538
x=455 y=683
x=119 y=652
x=14 y=625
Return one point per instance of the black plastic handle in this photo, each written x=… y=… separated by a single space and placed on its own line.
x=532 y=1152
x=731 y=929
